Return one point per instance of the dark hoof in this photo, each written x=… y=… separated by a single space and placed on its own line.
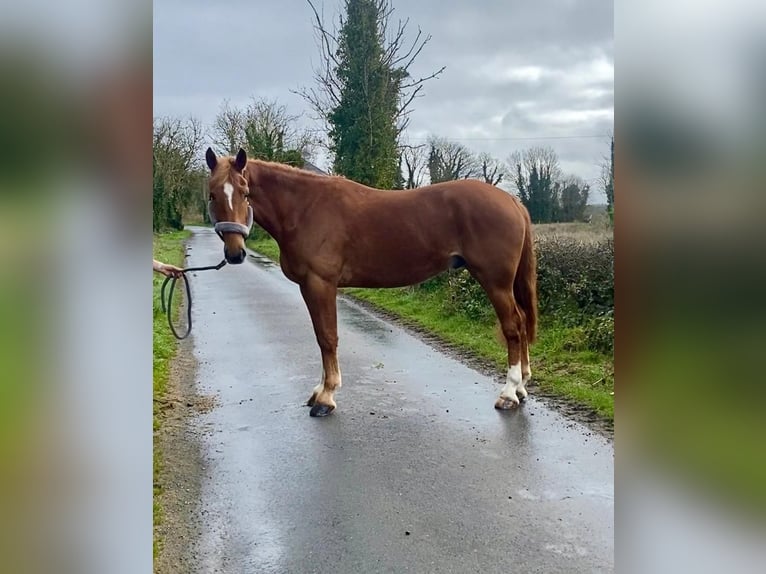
x=321 y=410
x=311 y=401
x=504 y=404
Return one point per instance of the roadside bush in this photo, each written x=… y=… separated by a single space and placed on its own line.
x=465 y=295
x=574 y=277
x=434 y=283
x=599 y=332
x=575 y=285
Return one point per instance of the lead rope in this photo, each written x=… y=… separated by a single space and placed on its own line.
x=166 y=307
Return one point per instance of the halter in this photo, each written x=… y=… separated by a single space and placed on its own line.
x=222 y=227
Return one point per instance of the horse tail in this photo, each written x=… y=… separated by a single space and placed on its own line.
x=525 y=283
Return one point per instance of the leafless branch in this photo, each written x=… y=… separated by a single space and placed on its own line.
x=415 y=165
x=398 y=56
x=449 y=160
x=425 y=79
x=492 y=170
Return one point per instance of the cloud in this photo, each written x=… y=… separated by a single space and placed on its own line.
x=518 y=73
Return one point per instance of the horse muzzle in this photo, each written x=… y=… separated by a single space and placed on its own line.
x=234 y=252
x=235 y=258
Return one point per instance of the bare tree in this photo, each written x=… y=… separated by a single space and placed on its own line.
x=449 y=160
x=269 y=123
x=229 y=129
x=398 y=56
x=261 y=128
x=544 y=159
x=176 y=146
x=492 y=170
x=415 y=164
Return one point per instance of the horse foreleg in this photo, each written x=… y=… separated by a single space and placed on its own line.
x=319 y=296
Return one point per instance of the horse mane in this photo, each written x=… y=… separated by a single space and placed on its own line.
x=281 y=173
x=285 y=169
x=269 y=168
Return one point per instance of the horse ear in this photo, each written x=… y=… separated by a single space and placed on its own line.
x=241 y=160
x=212 y=161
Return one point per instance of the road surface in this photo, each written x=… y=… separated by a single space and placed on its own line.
x=415 y=471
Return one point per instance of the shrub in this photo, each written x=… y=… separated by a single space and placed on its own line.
x=465 y=295
x=599 y=332
x=434 y=283
x=574 y=277
x=575 y=283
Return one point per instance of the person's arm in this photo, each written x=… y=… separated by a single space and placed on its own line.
x=166 y=269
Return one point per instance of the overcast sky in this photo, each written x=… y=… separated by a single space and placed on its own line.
x=519 y=73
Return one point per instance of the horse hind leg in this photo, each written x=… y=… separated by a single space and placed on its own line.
x=511 y=325
x=526 y=371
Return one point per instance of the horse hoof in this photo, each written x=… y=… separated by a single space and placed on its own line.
x=311 y=401
x=321 y=410
x=505 y=404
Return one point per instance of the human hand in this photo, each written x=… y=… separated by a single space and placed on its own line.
x=167 y=270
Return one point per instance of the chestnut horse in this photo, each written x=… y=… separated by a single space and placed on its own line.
x=335 y=233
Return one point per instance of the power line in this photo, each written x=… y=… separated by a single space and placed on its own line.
x=525 y=138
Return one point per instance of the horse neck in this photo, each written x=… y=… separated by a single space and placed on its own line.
x=280 y=202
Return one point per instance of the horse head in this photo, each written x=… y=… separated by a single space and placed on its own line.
x=228 y=206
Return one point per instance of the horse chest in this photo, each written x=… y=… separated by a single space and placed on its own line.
x=287 y=268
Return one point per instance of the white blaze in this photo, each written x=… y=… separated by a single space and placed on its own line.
x=228 y=189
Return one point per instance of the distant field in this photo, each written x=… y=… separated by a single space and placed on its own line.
x=593 y=232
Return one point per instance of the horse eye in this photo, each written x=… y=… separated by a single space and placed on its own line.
x=210 y=197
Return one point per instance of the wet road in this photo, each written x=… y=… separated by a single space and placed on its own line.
x=414 y=472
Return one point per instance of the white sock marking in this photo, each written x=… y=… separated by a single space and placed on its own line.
x=320 y=387
x=512 y=382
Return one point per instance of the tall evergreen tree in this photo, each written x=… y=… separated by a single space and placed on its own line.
x=573 y=199
x=363 y=133
x=364 y=90
x=609 y=187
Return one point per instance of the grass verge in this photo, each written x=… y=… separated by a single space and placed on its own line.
x=562 y=365
x=168 y=248
x=267 y=247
